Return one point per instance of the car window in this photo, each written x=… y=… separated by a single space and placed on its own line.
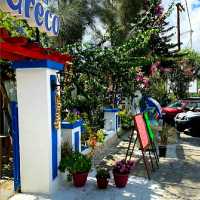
x=176 y=104
x=191 y=105
x=198 y=105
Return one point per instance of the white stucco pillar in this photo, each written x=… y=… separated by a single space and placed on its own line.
x=111 y=119
x=39 y=140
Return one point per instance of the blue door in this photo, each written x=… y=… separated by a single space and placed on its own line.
x=16 y=150
x=54 y=137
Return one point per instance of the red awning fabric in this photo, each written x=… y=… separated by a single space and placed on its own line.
x=20 y=48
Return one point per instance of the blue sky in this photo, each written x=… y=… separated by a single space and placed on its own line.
x=194 y=10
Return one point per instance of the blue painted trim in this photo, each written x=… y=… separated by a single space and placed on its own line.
x=16 y=149
x=67 y=125
x=76 y=141
x=25 y=64
x=112 y=110
x=54 y=136
x=116 y=122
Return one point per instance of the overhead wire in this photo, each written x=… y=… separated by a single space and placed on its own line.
x=189 y=19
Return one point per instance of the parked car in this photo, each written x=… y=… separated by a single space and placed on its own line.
x=188 y=121
x=169 y=112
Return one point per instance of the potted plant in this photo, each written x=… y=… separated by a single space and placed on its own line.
x=78 y=166
x=102 y=177
x=163 y=140
x=121 y=171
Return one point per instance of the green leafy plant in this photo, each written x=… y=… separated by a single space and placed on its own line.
x=72 y=117
x=75 y=162
x=164 y=134
x=65 y=149
x=100 y=135
x=103 y=173
x=126 y=119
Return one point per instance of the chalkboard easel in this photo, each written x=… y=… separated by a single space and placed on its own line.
x=144 y=141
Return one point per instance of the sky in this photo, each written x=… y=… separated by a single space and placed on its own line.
x=194 y=11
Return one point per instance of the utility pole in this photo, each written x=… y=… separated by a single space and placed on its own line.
x=179 y=8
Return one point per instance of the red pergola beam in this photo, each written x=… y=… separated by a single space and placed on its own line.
x=11 y=57
x=4 y=33
x=21 y=51
x=17 y=48
x=21 y=41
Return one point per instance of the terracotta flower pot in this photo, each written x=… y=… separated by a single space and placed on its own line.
x=102 y=183
x=79 y=179
x=120 y=179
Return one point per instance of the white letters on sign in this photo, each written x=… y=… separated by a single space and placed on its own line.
x=36 y=14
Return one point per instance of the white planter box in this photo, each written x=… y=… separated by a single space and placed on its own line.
x=71 y=133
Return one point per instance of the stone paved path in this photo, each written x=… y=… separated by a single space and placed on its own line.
x=177 y=179
x=180 y=177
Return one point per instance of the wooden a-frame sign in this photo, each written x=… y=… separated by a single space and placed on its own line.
x=143 y=138
x=141 y=132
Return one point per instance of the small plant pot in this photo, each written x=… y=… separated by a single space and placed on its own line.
x=162 y=150
x=79 y=179
x=120 y=179
x=102 y=183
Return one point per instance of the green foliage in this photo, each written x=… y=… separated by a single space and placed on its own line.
x=186 y=69
x=100 y=135
x=15 y=26
x=75 y=162
x=118 y=17
x=179 y=82
x=65 y=149
x=72 y=117
x=75 y=15
x=192 y=59
x=164 y=134
x=103 y=173
x=157 y=88
x=100 y=74
x=126 y=119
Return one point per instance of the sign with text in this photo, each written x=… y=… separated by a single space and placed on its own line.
x=142 y=131
x=35 y=12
